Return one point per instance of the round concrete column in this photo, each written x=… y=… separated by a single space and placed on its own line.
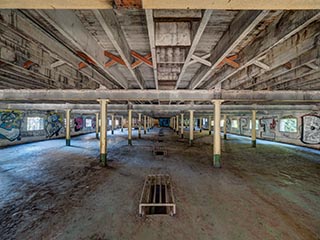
x=97 y=125
x=103 y=131
x=191 y=125
x=225 y=126
x=253 y=130
x=216 y=142
x=68 y=135
x=182 y=125
x=130 y=126
x=139 y=132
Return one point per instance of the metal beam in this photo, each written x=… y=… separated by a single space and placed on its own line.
x=204 y=21
x=160 y=95
x=70 y=26
x=240 y=27
x=151 y=33
x=232 y=5
x=112 y=28
x=290 y=22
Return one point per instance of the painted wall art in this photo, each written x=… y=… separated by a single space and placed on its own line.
x=53 y=124
x=310 y=133
x=10 y=125
x=268 y=126
x=78 y=124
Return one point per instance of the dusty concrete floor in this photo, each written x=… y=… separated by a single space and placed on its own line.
x=49 y=191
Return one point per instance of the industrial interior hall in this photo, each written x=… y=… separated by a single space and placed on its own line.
x=141 y=119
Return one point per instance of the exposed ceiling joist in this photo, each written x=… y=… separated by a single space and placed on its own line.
x=151 y=34
x=68 y=24
x=161 y=95
x=240 y=27
x=112 y=28
x=287 y=26
x=203 y=23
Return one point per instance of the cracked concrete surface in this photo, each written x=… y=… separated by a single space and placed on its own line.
x=50 y=191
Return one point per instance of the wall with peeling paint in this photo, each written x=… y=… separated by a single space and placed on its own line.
x=13 y=126
x=307 y=134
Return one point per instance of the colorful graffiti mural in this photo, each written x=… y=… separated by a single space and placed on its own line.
x=310 y=133
x=268 y=126
x=78 y=124
x=10 y=125
x=53 y=124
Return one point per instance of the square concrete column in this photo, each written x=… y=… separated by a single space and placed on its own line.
x=97 y=125
x=103 y=131
x=112 y=123
x=191 y=125
x=216 y=141
x=201 y=124
x=182 y=125
x=253 y=130
x=130 y=127
x=122 y=123
x=177 y=125
x=209 y=124
x=145 y=124
x=139 y=131
x=225 y=126
x=68 y=135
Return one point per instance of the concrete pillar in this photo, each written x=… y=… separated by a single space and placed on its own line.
x=209 y=124
x=145 y=124
x=177 y=129
x=253 y=130
x=191 y=125
x=174 y=123
x=148 y=124
x=122 y=123
x=139 y=132
x=130 y=127
x=216 y=142
x=225 y=126
x=112 y=123
x=182 y=125
x=68 y=135
x=97 y=125
x=201 y=123
x=103 y=131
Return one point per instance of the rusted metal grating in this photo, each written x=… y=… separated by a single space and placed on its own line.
x=157 y=196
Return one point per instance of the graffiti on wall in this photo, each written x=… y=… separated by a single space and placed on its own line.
x=52 y=124
x=310 y=133
x=94 y=122
x=10 y=125
x=78 y=124
x=268 y=126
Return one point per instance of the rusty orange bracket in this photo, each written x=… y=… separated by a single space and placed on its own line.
x=28 y=64
x=141 y=58
x=230 y=61
x=86 y=58
x=139 y=61
x=114 y=58
x=82 y=65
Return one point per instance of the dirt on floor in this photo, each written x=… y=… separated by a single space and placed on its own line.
x=50 y=191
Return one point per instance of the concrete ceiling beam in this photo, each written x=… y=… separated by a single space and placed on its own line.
x=70 y=26
x=202 y=26
x=239 y=28
x=286 y=26
x=112 y=28
x=160 y=95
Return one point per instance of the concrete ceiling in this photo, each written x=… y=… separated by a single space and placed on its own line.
x=120 y=49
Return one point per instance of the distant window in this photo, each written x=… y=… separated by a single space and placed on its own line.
x=117 y=122
x=110 y=122
x=34 y=123
x=234 y=123
x=288 y=125
x=88 y=122
x=222 y=123
x=257 y=124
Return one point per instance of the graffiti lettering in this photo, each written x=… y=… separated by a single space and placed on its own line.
x=78 y=124
x=310 y=129
x=53 y=124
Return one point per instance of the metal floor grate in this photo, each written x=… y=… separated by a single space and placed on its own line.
x=157 y=196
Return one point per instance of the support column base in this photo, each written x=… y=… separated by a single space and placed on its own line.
x=97 y=135
x=217 y=161
x=190 y=142
x=200 y=130
x=103 y=159
x=139 y=135
x=225 y=136
x=129 y=141
x=121 y=129
x=209 y=132
x=145 y=132
x=112 y=132
x=182 y=135
x=254 y=143
x=68 y=142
